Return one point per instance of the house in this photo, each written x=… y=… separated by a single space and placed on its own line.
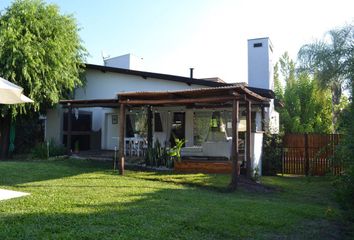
x=205 y=125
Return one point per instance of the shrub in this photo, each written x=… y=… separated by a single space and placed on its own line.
x=271 y=162
x=158 y=156
x=44 y=150
x=344 y=155
x=344 y=185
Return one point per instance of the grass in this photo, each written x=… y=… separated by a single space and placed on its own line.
x=77 y=199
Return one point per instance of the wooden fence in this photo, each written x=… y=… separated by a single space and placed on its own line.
x=310 y=154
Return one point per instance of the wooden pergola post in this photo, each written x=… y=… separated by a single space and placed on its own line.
x=149 y=127
x=121 y=151
x=263 y=118
x=68 y=135
x=234 y=151
x=248 y=139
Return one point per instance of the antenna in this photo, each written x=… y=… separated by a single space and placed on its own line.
x=104 y=55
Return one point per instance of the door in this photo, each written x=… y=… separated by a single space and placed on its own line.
x=178 y=127
x=112 y=131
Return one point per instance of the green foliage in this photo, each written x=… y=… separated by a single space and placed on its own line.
x=40 y=50
x=307 y=108
x=271 y=161
x=345 y=156
x=158 y=156
x=41 y=150
x=176 y=150
x=331 y=61
x=345 y=191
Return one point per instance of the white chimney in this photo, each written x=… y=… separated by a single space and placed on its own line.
x=260 y=63
x=260 y=75
x=127 y=61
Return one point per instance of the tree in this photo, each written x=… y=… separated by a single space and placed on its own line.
x=306 y=106
x=40 y=50
x=331 y=61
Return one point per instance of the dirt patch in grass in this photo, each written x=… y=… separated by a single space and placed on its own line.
x=249 y=185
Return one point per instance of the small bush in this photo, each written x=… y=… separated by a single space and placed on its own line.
x=41 y=150
x=158 y=156
x=271 y=162
x=345 y=191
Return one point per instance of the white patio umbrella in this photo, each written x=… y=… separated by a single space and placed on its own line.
x=11 y=93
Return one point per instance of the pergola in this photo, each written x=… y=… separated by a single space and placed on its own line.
x=228 y=96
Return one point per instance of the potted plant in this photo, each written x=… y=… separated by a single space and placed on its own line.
x=175 y=152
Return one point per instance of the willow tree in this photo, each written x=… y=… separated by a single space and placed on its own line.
x=41 y=51
x=331 y=62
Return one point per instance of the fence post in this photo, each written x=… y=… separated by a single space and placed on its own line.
x=307 y=163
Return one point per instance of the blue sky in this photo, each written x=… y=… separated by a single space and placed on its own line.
x=209 y=35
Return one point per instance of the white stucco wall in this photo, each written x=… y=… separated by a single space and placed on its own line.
x=256 y=151
x=260 y=63
x=54 y=125
x=127 y=61
x=100 y=85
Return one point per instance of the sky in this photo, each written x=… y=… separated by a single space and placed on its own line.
x=209 y=35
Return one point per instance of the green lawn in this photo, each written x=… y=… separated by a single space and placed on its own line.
x=77 y=199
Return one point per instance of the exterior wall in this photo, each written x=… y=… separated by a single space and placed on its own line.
x=260 y=65
x=101 y=85
x=127 y=61
x=54 y=125
x=256 y=152
x=260 y=75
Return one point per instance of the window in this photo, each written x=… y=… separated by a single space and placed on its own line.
x=256 y=45
x=136 y=125
x=158 y=122
x=114 y=119
x=201 y=127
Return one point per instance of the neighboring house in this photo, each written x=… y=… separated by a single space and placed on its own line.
x=206 y=129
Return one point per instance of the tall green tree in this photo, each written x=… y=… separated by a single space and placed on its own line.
x=306 y=106
x=41 y=51
x=330 y=60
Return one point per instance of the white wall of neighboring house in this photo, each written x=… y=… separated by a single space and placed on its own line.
x=54 y=125
x=127 y=61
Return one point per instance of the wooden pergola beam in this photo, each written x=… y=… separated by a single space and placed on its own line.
x=177 y=101
x=89 y=105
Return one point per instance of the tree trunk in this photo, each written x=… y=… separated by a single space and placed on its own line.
x=336 y=96
x=4 y=135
